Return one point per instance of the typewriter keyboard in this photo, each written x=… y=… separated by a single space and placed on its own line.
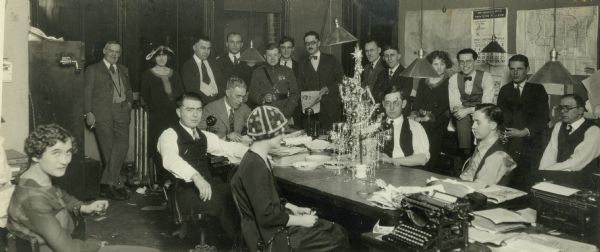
x=411 y=235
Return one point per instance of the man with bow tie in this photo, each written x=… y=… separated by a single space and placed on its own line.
x=571 y=156
x=526 y=116
x=108 y=98
x=230 y=61
x=322 y=72
x=375 y=65
x=201 y=74
x=466 y=89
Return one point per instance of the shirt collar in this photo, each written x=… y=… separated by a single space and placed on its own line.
x=395 y=68
x=376 y=61
x=198 y=60
x=484 y=146
x=318 y=54
x=397 y=120
x=236 y=55
x=106 y=63
x=188 y=129
x=577 y=123
x=522 y=83
x=227 y=107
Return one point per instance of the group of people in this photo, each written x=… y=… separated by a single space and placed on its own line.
x=207 y=111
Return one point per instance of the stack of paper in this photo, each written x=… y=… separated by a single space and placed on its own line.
x=498 y=194
x=554 y=188
x=498 y=220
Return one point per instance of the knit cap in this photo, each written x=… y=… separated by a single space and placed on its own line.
x=265 y=122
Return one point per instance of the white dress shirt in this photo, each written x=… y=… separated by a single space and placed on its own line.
x=315 y=62
x=169 y=150
x=211 y=88
x=287 y=63
x=231 y=57
x=584 y=152
x=420 y=141
x=227 y=107
x=495 y=167
x=487 y=83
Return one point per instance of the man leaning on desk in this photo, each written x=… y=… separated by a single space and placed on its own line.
x=571 y=156
x=409 y=145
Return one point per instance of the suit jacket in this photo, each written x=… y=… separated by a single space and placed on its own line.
x=529 y=111
x=218 y=110
x=329 y=74
x=190 y=75
x=384 y=82
x=370 y=74
x=295 y=67
x=99 y=88
x=241 y=70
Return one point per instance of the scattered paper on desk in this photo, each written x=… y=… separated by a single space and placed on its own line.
x=554 y=188
x=486 y=224
x=501 y=215
x=520 y=245
x=528 y=214
x=300 y=140
x=498 y=194
x=564 y=245
x=481 y=236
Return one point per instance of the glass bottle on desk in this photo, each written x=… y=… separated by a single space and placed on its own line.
x=311 y=125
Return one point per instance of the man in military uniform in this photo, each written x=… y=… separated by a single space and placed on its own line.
x=274 y=84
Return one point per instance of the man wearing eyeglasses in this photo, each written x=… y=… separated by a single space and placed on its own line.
x=526 y=116
x=571 y=157
x=409 y=145
x=322 y=72
x=466 y=89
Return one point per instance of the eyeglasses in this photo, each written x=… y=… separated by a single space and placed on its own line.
x=465 y=62
x=564 y=108
x=311 y=43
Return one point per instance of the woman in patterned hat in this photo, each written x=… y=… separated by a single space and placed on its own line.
x=269 y=222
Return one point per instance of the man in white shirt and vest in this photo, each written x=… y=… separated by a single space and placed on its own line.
x=571 y=157
x=408 y=145
x=466 y=89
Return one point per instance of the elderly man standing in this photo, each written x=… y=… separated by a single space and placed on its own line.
x=375 y=65
x=202 y=75
x=274 y=84
x=230 y=111
x=107 y=104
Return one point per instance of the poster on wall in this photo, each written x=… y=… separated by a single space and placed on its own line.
x=485 y=24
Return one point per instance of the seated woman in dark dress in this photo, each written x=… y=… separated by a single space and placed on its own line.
x=489 y=163
x=268 y=221
x=431 y=107
x=38 y=210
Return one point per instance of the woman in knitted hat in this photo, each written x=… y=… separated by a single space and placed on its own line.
x=268 y=221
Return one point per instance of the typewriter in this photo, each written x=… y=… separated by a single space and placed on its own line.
x=577 y=214
x=432 y=222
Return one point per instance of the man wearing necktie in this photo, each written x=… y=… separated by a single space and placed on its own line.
x=390 y=77
x=526 y=115
x=230 y=61
x=107 y=103
x=571 y=157
x=201 y=74
x=322 y=72
x=466 y=89
x=230 y=111
x=274 y=84
x=375 y=65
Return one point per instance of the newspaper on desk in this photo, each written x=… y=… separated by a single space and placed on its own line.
x=544 y=242
x=390 y=196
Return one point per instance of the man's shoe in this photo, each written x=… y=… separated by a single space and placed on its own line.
x=110 y=192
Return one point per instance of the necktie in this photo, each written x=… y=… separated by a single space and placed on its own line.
x=112 y=68
x=569 y=128
x=391 y=73
x=231 y=120
x=468 y=78
x=235 y=60
x=518 y=90
x=205 y=77
x=313 y=57
x=195 y=134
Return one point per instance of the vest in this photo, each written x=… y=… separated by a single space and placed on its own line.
x=470 y=100
x=406 y=140
x=193 y=151
x=566 y=146
x=497 y=146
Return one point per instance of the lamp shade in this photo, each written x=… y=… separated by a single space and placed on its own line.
x=493 y=47
x=339 y=36
x=420 y=68
x=553 y=72
x=251 y=55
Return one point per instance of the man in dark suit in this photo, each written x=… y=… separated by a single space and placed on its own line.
x=287 y=45
x=526 y=114
x=391 y=77
x=203 y=75
x=108 y=99
x=230 y=61
x=322 y=72
x=375 y=65
x=230 y=111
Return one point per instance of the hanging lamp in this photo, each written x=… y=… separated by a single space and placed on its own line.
x=493 y=46
x=251 y=55
x=420 y=67
x=553 y=71
x=339 y=36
